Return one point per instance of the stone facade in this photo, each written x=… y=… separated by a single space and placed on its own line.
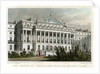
x=11 y=31
x=83 y=39
x=44 y=36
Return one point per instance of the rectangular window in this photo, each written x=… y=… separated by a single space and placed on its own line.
x=68 y=35
x=43 y=39
x=10 y=25
x=72 y=36
x=10 y=32
x=10 y=38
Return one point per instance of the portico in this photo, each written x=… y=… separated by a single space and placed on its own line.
x=49 y=40
x=27 y=39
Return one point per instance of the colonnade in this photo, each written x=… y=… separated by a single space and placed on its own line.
x=27 y=36
x=53 y=37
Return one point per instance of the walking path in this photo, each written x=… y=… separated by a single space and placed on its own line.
x=29 y=59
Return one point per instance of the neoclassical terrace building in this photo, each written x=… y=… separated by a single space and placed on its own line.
x=11 y=36
x=83 y=39
x=43 y=36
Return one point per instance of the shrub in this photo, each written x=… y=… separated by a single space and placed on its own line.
x=23 y=54
x=13 y=55
x=9 y=54
x=30 y=54
x=76 y=55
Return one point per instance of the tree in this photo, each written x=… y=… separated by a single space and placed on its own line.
x=23 y=54
x=76 y=55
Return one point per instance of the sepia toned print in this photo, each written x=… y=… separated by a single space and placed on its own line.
x=49 y=34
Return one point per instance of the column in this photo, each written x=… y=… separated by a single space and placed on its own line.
x=36 y=36
x=31 y=36
x=63 y=38
x=44 y=36
x=67 y=38
x=70 y=38
x=56 y=37
x=23 y=35
x=60 y=38
x=52 y=38
x=40 y=36
x=26 y=35
x=48 y=37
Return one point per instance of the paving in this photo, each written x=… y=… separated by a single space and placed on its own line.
x=29 y=59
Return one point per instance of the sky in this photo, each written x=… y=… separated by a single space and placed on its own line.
x=71 y=16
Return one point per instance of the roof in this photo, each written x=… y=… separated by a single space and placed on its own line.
x=80 y=30
x=85 y=31
x=55 y=24
x=11 y=23
x=51 y=19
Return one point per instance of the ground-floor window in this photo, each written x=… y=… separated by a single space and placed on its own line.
x=51 y=48
x=20 y=47
x=28 y=39
x=28 y=47
x=65 y=48
x=62 y=47
x=55 y=48
x=47 y=47
x=69 y=47
x=10 y=47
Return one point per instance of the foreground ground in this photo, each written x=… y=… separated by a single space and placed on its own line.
x=29 y=59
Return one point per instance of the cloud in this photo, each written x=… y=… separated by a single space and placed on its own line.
x=81 y=16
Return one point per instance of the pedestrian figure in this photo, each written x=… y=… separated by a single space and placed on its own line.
x=39 y=54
